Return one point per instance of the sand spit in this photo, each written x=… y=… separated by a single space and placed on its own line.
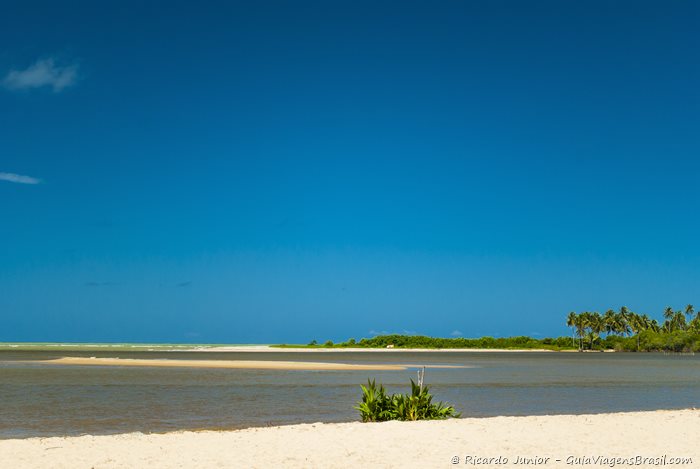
x=562 y=441
x=238 y=364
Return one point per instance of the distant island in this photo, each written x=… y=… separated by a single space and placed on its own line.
x=622 y=331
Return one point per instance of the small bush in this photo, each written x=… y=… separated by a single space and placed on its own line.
x=377 y=406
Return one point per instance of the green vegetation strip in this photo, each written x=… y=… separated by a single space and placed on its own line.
x=621 y=330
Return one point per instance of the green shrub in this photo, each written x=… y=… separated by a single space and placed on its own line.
x=377 y=406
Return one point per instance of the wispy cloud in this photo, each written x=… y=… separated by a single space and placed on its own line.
x=456 y=333
x=403 y=332
x=43 y=72
x=18 y=178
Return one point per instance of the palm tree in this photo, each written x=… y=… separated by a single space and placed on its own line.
x=695 y=324
x=624 y=319
x=581 y=324
x=638 y=324
x=689 y=312
x=679 y=321
x=667 y=326
x=624 y=311
x=654 y=325
x=668 y=316
x=596 y=325
x=675 y=320
x=611 y=323
x=571 y=322
x=589 y=326
x=668 y=312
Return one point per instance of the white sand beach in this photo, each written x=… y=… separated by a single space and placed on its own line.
x=558 y=441
x=238 y=364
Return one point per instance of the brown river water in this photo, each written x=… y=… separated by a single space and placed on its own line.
x=39 y=399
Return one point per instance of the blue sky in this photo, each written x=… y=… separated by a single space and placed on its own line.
x=288 y=171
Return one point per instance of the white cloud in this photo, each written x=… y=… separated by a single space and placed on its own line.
x=18 y=178
x=43 y=72
x=403 y=332
x=456 y=333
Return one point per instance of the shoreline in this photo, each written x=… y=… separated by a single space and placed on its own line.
x=269 y=348
x=87 y=347
x=649 y=434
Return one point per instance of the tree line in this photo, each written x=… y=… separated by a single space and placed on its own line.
x=621 y=330
x=677 y=332
x=424 y=342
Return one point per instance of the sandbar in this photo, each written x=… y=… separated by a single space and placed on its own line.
x=237 y=364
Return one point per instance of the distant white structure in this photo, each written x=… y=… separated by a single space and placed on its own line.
x=390 y=346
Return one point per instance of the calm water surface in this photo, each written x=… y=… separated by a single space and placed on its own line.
x=39 y=400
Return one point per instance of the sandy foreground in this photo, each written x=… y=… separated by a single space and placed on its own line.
x=567 y=438
x=239 y=364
